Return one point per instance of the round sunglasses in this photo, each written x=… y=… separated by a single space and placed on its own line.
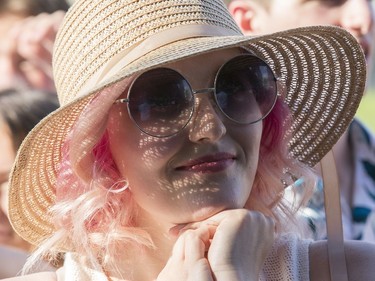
x=161 y=101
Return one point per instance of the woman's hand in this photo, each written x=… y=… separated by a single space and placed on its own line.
x=240 y=244
x=188 y=260
x=231 y=245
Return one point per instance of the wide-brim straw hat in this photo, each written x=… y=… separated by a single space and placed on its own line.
x=103 y=41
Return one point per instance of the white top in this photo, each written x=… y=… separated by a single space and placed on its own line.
x=287 y=261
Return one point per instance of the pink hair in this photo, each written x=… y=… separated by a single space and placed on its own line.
x=274 y=169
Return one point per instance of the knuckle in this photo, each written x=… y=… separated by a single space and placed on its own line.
x=189 y=235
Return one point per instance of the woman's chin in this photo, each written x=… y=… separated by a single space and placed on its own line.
x=187 y=214
x=206 y=212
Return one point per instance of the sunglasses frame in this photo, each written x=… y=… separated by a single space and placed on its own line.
x=202 y=91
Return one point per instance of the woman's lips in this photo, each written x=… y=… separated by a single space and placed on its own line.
x=209 y=164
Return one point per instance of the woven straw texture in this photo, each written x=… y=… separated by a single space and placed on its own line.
x=323 y=69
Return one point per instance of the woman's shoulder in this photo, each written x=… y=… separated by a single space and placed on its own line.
x=45 y=276
x=360 y=258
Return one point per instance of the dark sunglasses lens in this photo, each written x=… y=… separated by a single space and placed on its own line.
x=246 y=89
x=161 y=102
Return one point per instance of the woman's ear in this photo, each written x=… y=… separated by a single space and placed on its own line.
x=248 y=15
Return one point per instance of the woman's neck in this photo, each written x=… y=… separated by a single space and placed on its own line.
x=133 y=263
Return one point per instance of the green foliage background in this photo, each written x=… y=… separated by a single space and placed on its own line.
x=366 y=111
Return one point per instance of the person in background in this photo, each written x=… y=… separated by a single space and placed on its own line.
x=20 y=111
x=27 y=33
x=355 y=150
x=169 y=150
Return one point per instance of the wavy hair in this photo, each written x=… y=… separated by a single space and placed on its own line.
x=277 y=170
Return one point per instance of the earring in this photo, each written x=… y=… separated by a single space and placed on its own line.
x=119 y=187
x=290 y=179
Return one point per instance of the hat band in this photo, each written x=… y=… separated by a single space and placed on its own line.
x=152 y=43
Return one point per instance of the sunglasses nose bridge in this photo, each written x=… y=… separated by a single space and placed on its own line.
x=204 y=91
x=203 y=94
x=206 y=122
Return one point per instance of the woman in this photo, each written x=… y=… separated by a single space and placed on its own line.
x=169 y=156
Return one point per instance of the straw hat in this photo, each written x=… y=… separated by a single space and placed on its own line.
x=103 y=41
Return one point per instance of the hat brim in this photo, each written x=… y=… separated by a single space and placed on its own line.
x=324 y=72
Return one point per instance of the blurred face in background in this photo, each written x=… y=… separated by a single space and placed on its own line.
x=267 y=16
x=8 y=20
x=27 y=31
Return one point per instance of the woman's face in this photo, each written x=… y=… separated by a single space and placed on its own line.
x=206 y=168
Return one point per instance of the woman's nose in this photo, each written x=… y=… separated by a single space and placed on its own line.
x=206 y=124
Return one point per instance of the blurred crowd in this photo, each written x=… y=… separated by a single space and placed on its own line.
x=27 y=94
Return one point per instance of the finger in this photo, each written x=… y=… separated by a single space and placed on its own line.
x=192 y=244
x=197 y=242
x=200 y=271
x=43 y=64
x=37 y=53
x=195 y=225
x=241 y=243
x=188 y=259
x=178 y=251
x=196 y=245
x=194 y=248
x=36 y=36
x=36 y=77
x=236 y=216
x=244 y=224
